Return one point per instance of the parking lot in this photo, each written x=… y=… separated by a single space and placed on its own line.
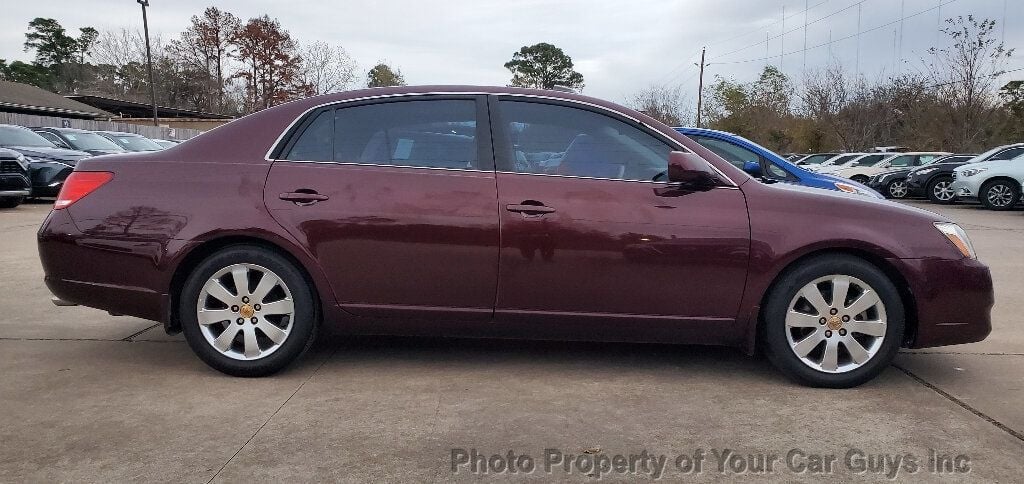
x=91 y=397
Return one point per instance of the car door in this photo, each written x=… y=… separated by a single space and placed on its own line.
x=396 y=201
x=587 y=232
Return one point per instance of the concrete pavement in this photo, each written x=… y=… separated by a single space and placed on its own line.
x=90 y=397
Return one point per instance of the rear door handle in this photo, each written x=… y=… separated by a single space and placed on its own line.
x=529 y=209
x=303 y=197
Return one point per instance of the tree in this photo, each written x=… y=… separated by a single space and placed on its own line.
x=270 y=63
x=964 y=74
x=543 y=66
x=24 y=72
x=326 y=69
x=383 y=75
x=51 y=43
x=662 y=103
x=205 y=47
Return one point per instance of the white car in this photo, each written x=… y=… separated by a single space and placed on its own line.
x=833 y=162
x=862 y=159
x=863 y=173
x=996 y=184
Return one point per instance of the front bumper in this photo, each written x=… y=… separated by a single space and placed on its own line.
x=966 y=187
x=953 y=300
x=917 y=186
x=48 y=177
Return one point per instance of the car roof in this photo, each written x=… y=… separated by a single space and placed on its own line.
x=120 y=133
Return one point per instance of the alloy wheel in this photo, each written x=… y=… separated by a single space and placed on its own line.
x=836 y=323
x=999 y=195
x=898 y=189
x=943 y=190
x=245 y=311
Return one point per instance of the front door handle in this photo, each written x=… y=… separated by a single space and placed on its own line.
x=303 y=197
x=527 y=209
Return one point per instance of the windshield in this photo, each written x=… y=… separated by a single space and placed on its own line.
x=12 y=136
x=137 y=143
x=816 y=159
x=90 y=141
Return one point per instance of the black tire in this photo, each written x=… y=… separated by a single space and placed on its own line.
x=933 y=186
x=11 y=202
x=774 y=330
x=303 y=329
x=860 y=179
x=1009 y=189
x=894 y=185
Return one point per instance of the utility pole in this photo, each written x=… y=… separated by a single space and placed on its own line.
x=856 y=68
x=782 y=41
x=149 y=59
x=899 y=48
x=806 y=8
x=700 y=85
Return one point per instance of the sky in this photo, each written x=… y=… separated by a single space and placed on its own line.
x=619 y=46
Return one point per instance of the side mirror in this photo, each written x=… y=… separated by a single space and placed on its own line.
x=752 y=168
x=691 y=169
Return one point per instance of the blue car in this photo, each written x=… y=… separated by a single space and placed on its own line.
x=765 y=164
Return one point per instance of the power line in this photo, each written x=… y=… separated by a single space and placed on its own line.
x=837 y=12
x=840 y=39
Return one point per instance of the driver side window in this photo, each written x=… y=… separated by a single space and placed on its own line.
x=562 y=140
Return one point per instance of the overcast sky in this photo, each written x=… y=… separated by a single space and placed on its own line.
x=619 y=46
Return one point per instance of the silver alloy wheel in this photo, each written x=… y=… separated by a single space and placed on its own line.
x=943 y=190
x=999 y=195
x=244 y=323
x=898 y=189
x=836 y=323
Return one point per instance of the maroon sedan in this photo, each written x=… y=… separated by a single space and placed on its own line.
x=500 y=212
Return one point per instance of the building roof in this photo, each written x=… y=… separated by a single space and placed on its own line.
x=25 y=98
x=132 y=109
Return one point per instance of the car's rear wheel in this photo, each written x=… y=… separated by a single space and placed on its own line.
x=247 y=311
x=897 y=189
x=1000 y=195
x=940 y=190
x=860 y=179
x=833 y=321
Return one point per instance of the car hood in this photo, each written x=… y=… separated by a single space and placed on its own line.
x=836 y=179
x=994 y=165
x=59 y=154
x=897 y=171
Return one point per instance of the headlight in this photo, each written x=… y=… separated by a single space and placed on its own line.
x=848 y=188
x=925 y=171
x=22 y=160
x=972 y=171
x=958 y=238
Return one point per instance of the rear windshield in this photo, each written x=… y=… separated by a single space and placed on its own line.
x=137 y=143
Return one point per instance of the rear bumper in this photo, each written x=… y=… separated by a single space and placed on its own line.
x=953 y=299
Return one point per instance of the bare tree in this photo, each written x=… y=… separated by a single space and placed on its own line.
x=964 y=74
x=205 y=47
x=666 y=104
x=326 y=69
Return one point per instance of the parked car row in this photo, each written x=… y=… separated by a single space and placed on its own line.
x=35 y=162
x=994 y=177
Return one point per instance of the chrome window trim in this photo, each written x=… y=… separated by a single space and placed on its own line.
x=380 y=165
x=731 y=187
x=301 y=116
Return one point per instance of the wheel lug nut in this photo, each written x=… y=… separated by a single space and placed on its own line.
x=253 y=320
x=234 y=308
x=256 y=307
x=833 y=311
x=245 y=299
x=846 y=318
x=842 y=332
x=821 y=321
x=239 y=320
x=828 y=334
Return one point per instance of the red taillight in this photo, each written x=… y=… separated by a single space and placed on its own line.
x=78 y=185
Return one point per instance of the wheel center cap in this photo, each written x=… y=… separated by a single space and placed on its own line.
x=247 y=311
x=835 y=323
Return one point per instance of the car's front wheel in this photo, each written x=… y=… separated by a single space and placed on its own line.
x=896 y=189
x=247 y=311
x=833 y=321
x=940 y=190
x=1000 y=194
